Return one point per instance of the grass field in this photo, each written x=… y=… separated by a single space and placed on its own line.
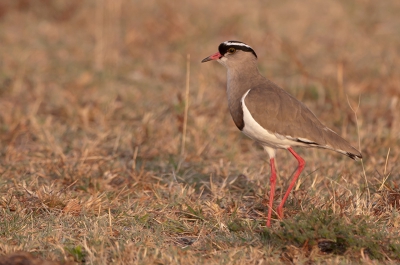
x=92 y=121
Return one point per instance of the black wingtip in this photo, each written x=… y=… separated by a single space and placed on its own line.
x=354 y=156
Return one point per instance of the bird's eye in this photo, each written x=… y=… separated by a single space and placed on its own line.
x=231 y=50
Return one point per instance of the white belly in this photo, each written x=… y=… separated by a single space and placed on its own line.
x=254 y=130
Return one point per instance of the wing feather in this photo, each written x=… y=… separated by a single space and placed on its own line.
x=279 y=112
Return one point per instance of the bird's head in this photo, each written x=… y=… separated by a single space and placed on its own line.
x=233 y=53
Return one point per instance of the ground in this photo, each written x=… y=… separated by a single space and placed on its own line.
x=109 y=154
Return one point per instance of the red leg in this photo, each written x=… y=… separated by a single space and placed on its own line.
x=300 y=168
x=272 y=190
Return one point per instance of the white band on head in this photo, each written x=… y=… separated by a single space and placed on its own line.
x=237 y=44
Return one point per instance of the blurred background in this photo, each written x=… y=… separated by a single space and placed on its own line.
x=92 y=107
x=105 y=77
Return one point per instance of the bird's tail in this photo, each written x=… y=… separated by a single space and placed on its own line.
x=338 y=144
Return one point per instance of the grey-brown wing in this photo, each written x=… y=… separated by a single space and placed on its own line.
x=279 y=112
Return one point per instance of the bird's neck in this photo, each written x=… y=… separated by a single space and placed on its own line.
x=239 y=81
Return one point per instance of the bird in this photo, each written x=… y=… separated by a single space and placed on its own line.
x=271 y=116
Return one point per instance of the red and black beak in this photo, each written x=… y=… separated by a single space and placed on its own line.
x=215 y=56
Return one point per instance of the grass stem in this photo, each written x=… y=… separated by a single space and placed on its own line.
x=185 y=117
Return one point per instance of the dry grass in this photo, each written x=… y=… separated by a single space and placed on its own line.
x=92 y=106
